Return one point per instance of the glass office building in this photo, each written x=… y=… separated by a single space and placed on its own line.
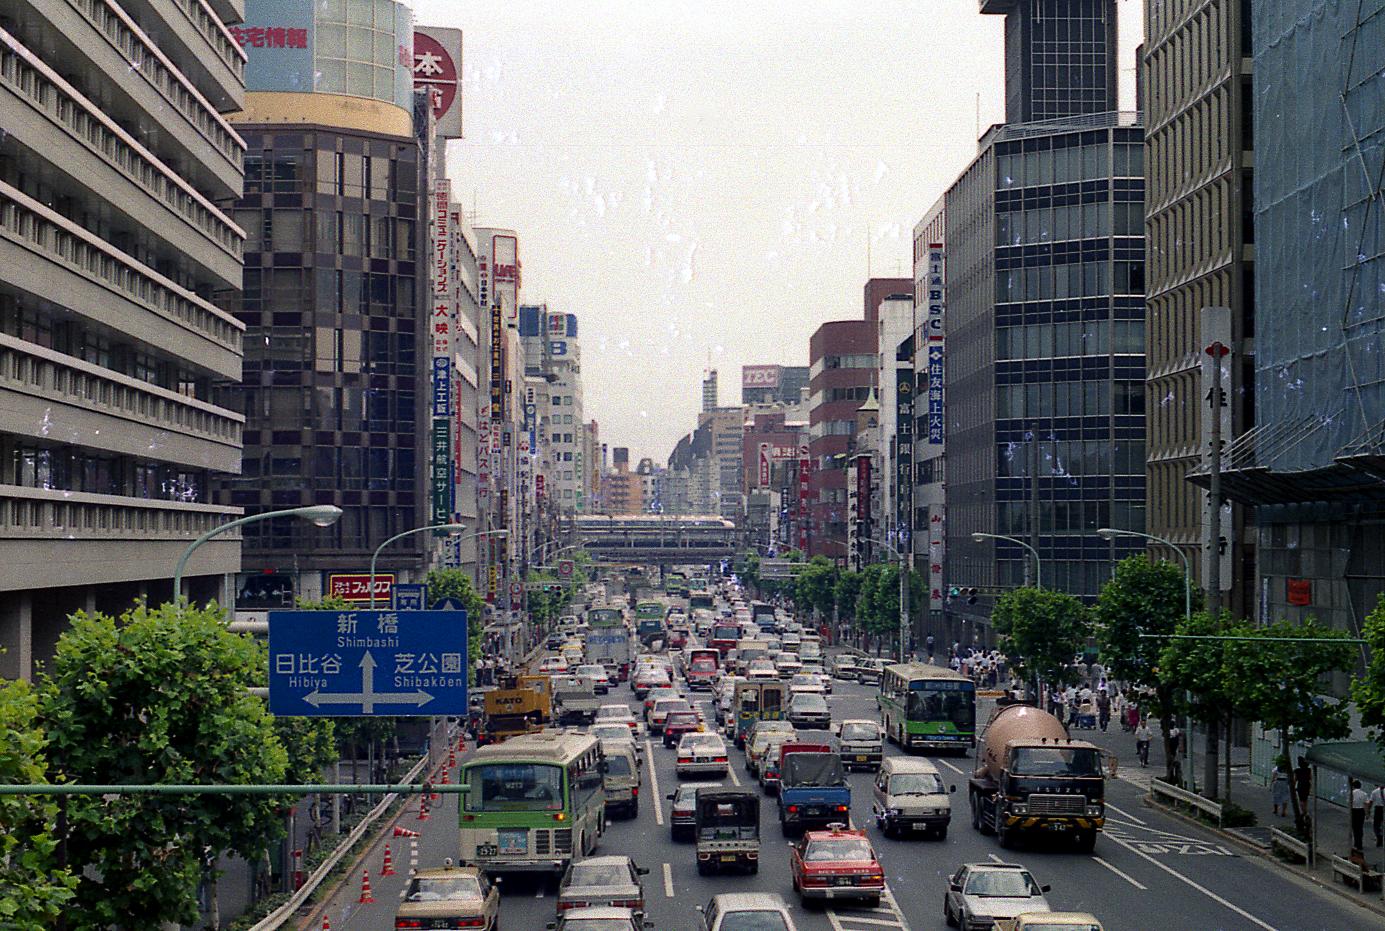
x=1060 y=57
x=1045 y=374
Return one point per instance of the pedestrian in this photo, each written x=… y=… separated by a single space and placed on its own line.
x=1376 y=804
x=1142 y=739
x=929 y=646
x=1103 y=710
x=1303 y=783
x=1132 y=715
x=1359 y=802
x=1279 y=789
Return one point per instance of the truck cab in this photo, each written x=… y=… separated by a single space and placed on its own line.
x=813 y=790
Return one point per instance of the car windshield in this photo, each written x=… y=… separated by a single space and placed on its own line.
x=860 y=730
x=617 y=712
x=1055 y=761
x=1001 y=884
x=956 y=706
x=444 y=889
x=700 y=741
x=599 y=874
x=680 y=718
x=618 y=765
x=703 y=663
x=809 y=703
x=805 y=680
x=916 y=784
x=752 y=921
x=514 y=787
x=611 y=732
x=827 y=851
x=598 y=671
x=813 y=769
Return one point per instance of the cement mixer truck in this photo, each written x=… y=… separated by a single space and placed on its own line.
x=1031 y=778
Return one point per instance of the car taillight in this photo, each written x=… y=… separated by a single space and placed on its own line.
x=407 y=923
x=635 y=792
x=793 y=809
x=564 y=906
x=470 y=923
x=636 y=904
x=875 y=877
x=719 y=759
x=559 y=816
x=842 y=808
x=809 y=880
x=685 y=759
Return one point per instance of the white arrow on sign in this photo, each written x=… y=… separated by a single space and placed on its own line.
x=367 y=697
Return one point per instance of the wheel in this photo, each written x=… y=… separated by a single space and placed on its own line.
x=873 y=902
x=1003 y=835
x=702 y=867
x=975 y=813
x=754 y=867
x=1086 y=841
x=634 y=808
x=947 y=914
x=941 y=833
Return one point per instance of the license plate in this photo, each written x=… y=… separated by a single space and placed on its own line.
x=486 y=850
x=728 y=858
x=841 y=880
x=814 y=810
x=917 y=826
x=1058 y=826
x=860 y=758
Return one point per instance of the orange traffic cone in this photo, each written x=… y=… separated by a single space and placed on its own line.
x=446 y=780
x=423 y=809
x=388 y=868
x=366 y=897
x=451 y=758
x=404 y=832
x=461 y=742
x=326 y=925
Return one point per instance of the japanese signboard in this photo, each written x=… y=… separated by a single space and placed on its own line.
x=904 y=454
x=361 y=663
x=277 y=38
x=497 y=347
x=805 y=471
x=505 y=275
x=437 y=68
x=933 y=327
x=355 y=586
x=410 y=596
x=762 y=478
x=440 y=474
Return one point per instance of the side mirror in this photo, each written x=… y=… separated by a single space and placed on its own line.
x=1045 y=888
x=954 y=885
x=670 y=796
x=551 y=925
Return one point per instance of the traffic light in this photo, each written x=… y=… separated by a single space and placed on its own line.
x=971 y=596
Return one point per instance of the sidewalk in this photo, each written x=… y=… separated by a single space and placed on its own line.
x=1334 y=827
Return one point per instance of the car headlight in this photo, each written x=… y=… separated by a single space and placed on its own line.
x=1018 y=808
x=894 y=812
x=1095 y=810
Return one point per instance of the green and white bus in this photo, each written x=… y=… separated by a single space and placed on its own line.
x=533 y=803
x=929 y=707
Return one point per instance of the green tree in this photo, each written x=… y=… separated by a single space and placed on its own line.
x=33 y=889
x=1277 y=679
x=1369 y=690
x=1193 y=669
x=1139 y=608
x=456 y=583
x=846 y=593
x=159 y=696
x=814 y=587
x=1041 y=630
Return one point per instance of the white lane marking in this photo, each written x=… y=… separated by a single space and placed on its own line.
x=951 y=767
x=731 y=771
x=668 y=880
x=654 y=783
x=1203 y=889
x=1123 y=875
x=1124 y=812
x=868 y=921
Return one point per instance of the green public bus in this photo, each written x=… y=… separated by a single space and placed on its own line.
x=534 y=802
x=929 y=707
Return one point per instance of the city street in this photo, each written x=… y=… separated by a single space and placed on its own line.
x=1149 y=872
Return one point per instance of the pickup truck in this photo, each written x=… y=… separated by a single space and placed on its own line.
x=575 y=698
x=813 y=791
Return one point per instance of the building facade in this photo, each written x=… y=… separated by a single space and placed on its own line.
x=930 y=410
x=118 y=258
x=773 y=384
x=1045 y=365
x=1200 y=248
x=1060 y=57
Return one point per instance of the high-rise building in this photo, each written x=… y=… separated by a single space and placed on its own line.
x=339 y=170
x=727 y=429
x=896 y=341
x=773 y=384
x=553 y=353
x=1313 y=468
x=709 y=390
x=1206 y=187
x=1060 y=57
x=117 y=259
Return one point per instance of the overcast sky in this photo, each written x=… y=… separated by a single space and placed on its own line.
x=700 y=182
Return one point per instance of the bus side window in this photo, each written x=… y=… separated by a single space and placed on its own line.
x=773 y=699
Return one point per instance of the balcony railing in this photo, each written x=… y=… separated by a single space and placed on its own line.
x=216 y=34
x=25 y=74
x=33 y=226
x=31 y=369
x=39 y=513
x=144 y=56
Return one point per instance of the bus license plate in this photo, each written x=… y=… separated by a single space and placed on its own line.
x=486 y=850
x=728 y=858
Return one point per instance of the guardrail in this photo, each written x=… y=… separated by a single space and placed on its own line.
x=283 y=913
x=1159 y=787
x=1290 y=844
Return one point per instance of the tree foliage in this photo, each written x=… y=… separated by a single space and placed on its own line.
x=1040 y=631
x=33 y=890
x=1194 y=668
x=158 y=696
x=814 y=589
x=1369 y=689
x=456 y=583
x=847 y=592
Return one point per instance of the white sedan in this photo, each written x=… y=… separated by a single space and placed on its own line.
x=702 y=754
x=808 y=682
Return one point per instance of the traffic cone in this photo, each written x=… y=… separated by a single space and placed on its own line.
x=451 y=758
x=461 y=742
x=388 y=868
x=423 y=809
x=404 y=832
x=445 y=779
x=326 y=925
x=366 y=897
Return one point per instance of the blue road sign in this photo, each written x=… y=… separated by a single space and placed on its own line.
x=410 y=596
x=363 y=663
x=448 y=604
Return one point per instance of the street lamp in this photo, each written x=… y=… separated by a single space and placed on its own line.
x=1038 y=564
x=1110 y=533
x=322 y=515
x=452 y=529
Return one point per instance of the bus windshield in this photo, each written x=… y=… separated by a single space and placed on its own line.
x=1055 y=761
x=515 y=787
x=953 y=705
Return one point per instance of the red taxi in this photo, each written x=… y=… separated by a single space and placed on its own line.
x=836 y=864
x=679 y=723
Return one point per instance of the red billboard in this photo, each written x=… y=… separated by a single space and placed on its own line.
x=760 y=376
x=355 y=587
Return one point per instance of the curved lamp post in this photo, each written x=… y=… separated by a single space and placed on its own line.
x=452 y=529
x=1109 y=533
x=323 y=515
x=1038 y=563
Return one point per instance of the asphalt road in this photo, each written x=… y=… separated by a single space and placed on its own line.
x=1149 y=872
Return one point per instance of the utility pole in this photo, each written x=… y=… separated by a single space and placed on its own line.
x=1217 y=351
x=905 y=570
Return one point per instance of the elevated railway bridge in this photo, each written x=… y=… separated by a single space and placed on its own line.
x=657 y=538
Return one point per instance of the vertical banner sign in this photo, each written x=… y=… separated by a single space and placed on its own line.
x=937 y=310
x=437 y=64
x=505 y=276
x=904 y=456
x=441 y=317
x=863 y=532
x=763 y=478
x=1216 y=328
x=805 y=471
x=497 y=365
x=935 y=557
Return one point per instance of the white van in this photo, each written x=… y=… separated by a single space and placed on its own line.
x=909 y=796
